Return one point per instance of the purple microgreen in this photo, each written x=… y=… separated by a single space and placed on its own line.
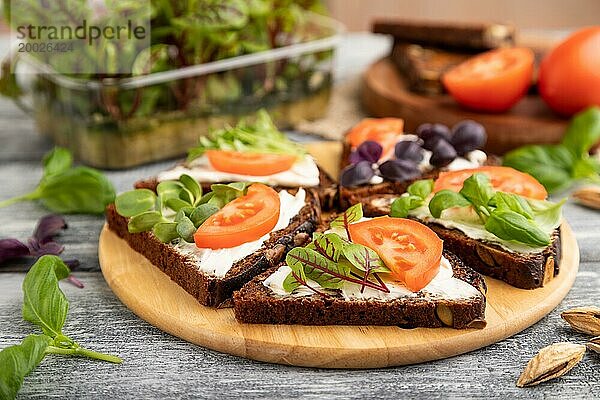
x=73 y=264
x=48 y=227
x=351 y=215
x=11 y=249
x=383 y=285
x=40 y=244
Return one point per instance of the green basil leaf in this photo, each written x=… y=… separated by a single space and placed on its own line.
x=309 y=263
x=77 y=190
x=586 y=168
x=186 y=229
x=422 y=188
x=201 y=213
x=351 y=215
x=44 y=304
x=290 y=283
x=551 y=165
x=58 y=160
x=583 y=132
x=445 y=199
x=329 y=245
x=547 y=215
x=192 y=186
x=364 y=259
x=135 y=202
x=509 y=225
x=478 y=190
x=18 y=361
x=513 y=202
x=402 y=206
x=144 y=222
x=165 y=231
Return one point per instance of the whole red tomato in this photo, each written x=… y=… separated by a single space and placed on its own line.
x=569 y=77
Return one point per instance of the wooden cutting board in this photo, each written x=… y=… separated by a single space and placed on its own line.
x=385 y=94
x=150 y=294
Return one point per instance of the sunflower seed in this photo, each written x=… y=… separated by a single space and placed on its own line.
x=551 y=362
x=584 y=319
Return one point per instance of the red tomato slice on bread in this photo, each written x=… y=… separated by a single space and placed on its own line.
x=254 y=164
x=384 y=131
x=505 y=179
x=409 y=249
x=243 y=220
x=493 y=81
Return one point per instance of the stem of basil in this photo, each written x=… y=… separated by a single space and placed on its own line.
x=81 y=352
x=29 y=196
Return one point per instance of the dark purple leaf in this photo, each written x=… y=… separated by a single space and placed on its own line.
x=399 y=170
x=367 y=151
x=370 y=151
x=48 y=227
x=12 y=248
x=443 y=153
x=357 y=174
x=73 y=264
x=408 y=150
x=38 y=249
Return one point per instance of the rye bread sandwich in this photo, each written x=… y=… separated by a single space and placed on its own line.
x=362 y=271
x=495 y=219
x=379 y=161
x=252 y=151
x=212 y=243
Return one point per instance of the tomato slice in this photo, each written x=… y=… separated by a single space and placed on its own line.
x=492 y=81
x=384 y=131
x=243 y=220
x=505 y=179
x=255 y=164
x=409 y=249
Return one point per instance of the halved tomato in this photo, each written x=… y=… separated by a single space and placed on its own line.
x=492 y=81
x=505 y=179
x=384 y=131
x=243 y=220
x=409 y=249
x=255 y=164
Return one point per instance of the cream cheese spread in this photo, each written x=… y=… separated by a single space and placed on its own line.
x=303 y=173
x=218 y=262
x=444 y=285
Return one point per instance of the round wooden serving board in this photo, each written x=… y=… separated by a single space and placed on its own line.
x=385 y=94
x=150 y=294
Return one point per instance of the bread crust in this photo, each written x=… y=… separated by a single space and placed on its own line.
x=210 y=290
x=524 y=271
x=257 y=304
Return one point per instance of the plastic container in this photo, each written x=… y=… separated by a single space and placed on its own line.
x=119 y=123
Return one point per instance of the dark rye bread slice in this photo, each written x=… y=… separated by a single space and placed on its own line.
x=473 y=36
x=211 y=290
x=524 y=271
x=257 y=304
x=327 y=189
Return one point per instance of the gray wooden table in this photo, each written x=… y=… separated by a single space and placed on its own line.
x=158 y=365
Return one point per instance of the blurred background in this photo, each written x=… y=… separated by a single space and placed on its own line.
x=537 y=14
